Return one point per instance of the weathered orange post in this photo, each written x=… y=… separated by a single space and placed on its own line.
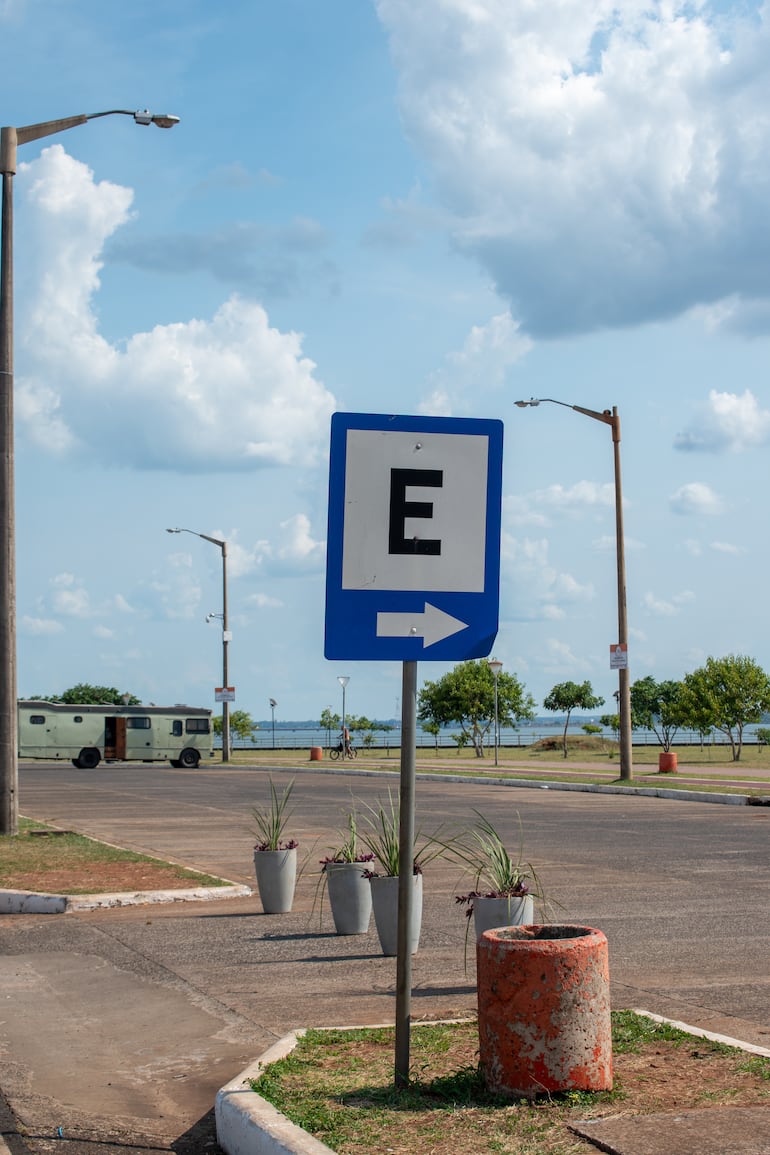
x=544 y=1009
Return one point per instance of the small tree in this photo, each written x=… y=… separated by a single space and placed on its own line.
x=433 y=728
x=466 y=696
x=612 y=722
x=656 y=706
x=726 y=694
x=84 y=694
x=241 y=724
x=569 y=696
x=329 y=722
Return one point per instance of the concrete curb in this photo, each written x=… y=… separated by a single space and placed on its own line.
x=529 y=784
x=27 y=902
x=248 y=1125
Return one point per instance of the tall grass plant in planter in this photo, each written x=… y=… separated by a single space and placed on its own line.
x=380 y=836
x=504 y=887
x=345 y=875
x=275 y=855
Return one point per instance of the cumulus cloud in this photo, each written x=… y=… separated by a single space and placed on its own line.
x=695 y=497
x=605 y=163
x=40 y=627
x=582 y=495
x=228 y=393
x=487 y=354
x=727 y=422
x=251 y=257
x=667 y=608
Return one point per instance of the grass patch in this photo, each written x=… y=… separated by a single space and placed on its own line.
x=339 y=1086
x=41 y=858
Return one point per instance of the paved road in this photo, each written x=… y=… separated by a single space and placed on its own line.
x=123 y=1024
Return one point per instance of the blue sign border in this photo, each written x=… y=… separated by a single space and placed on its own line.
x=351 y=615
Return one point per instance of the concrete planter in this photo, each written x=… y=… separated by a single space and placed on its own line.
x=667 y=762
x=489 y=913
x=385 y=906
x=350 y=896
x=276 y=872
x=544 y=1009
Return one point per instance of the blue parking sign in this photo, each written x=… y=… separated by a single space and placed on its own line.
x=413 y=545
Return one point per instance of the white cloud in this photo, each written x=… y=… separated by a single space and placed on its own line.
x=40 y=626
x=695 y=498
x=666 y=609
x=582 y=495
x=561 y=659
x=727 y=547
x=727 y=422
x=229 y=393
x=519 y=511
x=487 y=354
x=604 y=162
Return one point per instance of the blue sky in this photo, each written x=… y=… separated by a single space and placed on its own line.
x=383 y=206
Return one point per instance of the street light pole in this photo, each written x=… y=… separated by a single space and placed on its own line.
x=10 y=139
x=496 y=666
x=343 y=680
x=273 y=705
x=221 y=545
x=612 y=418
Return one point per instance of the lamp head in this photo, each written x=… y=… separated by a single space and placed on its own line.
x=524 y=404
x=173 y=531
x=161 y=119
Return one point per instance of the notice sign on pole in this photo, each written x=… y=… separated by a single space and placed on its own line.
x=413 y=548
x=224 y=693
x=619 y=657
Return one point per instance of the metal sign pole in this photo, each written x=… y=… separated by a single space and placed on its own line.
x=405 y=871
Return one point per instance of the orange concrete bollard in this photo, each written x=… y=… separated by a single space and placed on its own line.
x=667 y=763
x=316 y=753
x=544 y=1009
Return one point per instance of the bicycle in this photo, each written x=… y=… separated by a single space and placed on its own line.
x=339 y=751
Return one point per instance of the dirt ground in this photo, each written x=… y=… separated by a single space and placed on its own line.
x=101 y=878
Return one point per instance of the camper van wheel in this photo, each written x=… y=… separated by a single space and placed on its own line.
x=189 y=758
x=89 y=759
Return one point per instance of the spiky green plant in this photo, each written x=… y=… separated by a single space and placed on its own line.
x=270 y=821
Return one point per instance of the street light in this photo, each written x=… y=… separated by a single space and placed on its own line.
x=343 y=680
x=496 y=666
x=10 y=138
x=611 y=418
x=221 y=545
x=273 y=705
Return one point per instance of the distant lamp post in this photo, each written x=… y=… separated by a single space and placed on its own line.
x=343 y=680
x=10 y=139
x=273 y=705
x=496 y=666
x=611 y=418
x=221 y=545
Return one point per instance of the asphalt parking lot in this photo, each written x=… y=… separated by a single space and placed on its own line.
x=123 y=1024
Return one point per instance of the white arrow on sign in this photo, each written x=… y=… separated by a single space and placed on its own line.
x=432 y=625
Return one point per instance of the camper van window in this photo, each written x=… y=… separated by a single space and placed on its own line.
x=37 y=719
x=138 y=724
x=176 y=728
x=197 y=725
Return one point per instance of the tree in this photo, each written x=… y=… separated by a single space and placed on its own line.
x=656 y=706
x=466 y=697
x=726 y=694
x=433 y=728
x=329 y=722
x=569 y=696
x=612 y=722
x=241 y=724
x=84 y=694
